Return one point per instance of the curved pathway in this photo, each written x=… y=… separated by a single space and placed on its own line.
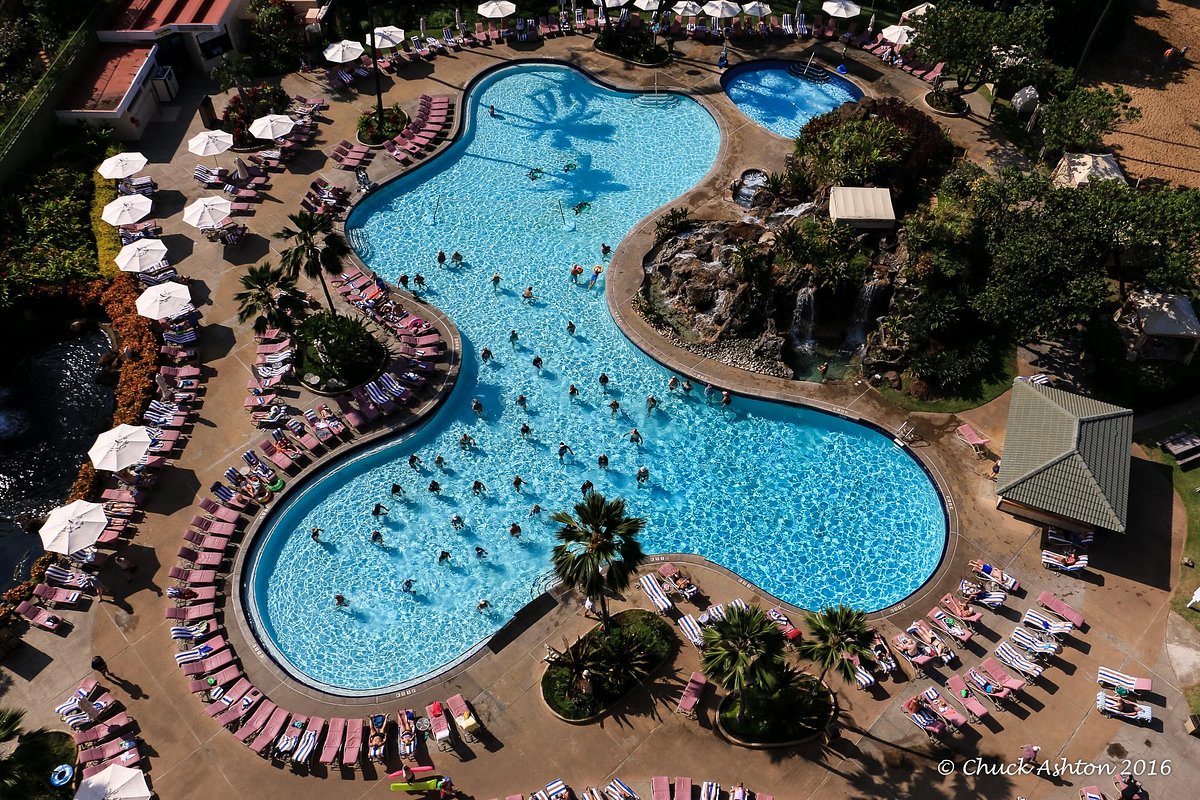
x=192 y=757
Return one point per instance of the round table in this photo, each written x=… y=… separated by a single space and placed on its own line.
x=423 y=724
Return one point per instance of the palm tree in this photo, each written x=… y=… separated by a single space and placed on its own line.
x=233 y=73
x=836 y=637
x=265 y=289
x=599 y=550
x=318 y=249
x=743 y=651
x=25 y=768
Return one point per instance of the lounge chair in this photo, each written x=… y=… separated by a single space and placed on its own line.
x=226 y=676
x=923 y=718
x=378 y=724
x=939 y=705
x=1040 y=622
x=691 y=695
x=190 y=632
x=863 y=678
x=207 y=541
x=902 y=642
x=407 y=737
x=270 y=730
x=197 y=559
x=255 y=722
x=1034 y=645
x=439 y=727
x=333 y=741
x=921 y=631
x=1060 y=562
x=54 y=596
x=106 y=750
x=976 y=441
x=1119 y=680
x=1000 y=675
x=710 y=790
x=38 y=616
x=191 y=613
x=973 y=593
x=307 y=745
x=229 y=698
x=955 y=607
x=1018 y=661
x=789 y=27
x=1091 y=793
x=214 y=662
x=653 y=591
x=200 y=652
x=660 y=788
x=933 y=75
x=129 y=757
x=288 y=739
x=1063 y=538
x=352 y=745
x=556 y=790
x=1110 y=706
x=674 y=577
x=984 y=685
x=976 y=710
x=790 y=632
x=950 y=624
x=103 y=730
x=236 y=705
x=989 y=573
x=617 y=789
x=691 y=630
x=464 y=717
x=683 y=788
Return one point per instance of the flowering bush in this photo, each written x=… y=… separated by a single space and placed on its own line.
x=370 y=132
x=248 y=105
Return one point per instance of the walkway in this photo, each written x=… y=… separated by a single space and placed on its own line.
x=190 y=757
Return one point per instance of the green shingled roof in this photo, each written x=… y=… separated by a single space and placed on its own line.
x=1068 y=455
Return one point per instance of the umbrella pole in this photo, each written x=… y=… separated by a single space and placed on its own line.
x=375 y=66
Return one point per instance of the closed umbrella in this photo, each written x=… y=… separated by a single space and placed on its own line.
x=457 y=18
x=164 y=301
x=207 y=212
x=115 y=783
x=122 y=165
x=385 y=37
x=496 y=9
x=272 y=126
x=686 y=9
x=73 y=527
x=842 y=9
x=897 y=34
x=127 y=210
x=343 y=51
x=141 y=255
x=119 y=448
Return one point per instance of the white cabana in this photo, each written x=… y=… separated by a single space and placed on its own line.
x=861 y=208
x=1078 y=169
x=1166 y=326
x=916 y=11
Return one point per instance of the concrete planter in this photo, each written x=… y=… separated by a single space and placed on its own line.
x=929 y=107
x=729 y=737
x=624 y=60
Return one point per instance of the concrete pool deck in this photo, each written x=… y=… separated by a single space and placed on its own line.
x=883 y=755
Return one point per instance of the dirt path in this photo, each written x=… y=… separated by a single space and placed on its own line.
x=1164 y=145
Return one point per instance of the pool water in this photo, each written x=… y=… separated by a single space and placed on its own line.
x=813 y=508
x=782 y=102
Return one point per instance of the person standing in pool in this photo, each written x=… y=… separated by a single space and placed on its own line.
x=513 y=338
x=673 y=384
x=604 y=382
x=526 y=431
x=726 y=398
x=527 y=294
x=570 y=328
x=535 y=511
x=495 y=281
x=456 y=258
x=563 y=450
x=514 y=531
x=587 y=488
x=602 y=461
x=441 y=258
x=572 y=392
x=485 y=355
x=635 y=436
x=478 y=488
x=397 y=490
x=379 y=509
x=407 y=586
x=521 y=402
x=517 y=483
x=651 y=403
x=576 y=271
x=605 y=251
x=687 y=386
x=466 y=441
x=457 y=522
x=443 y=557
x=480 y=552
x=341 y=601
x=439 y=462
x=596 y=270
x=477 y=406
x=643 y=474
x=419 y=280
x=435 y=487
x=316 y=534
x=376 y=537
x=537 y=363
x=708 y=391
x=615 y=407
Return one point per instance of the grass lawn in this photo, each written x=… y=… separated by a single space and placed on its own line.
x=988 y=391
x=1186 y=484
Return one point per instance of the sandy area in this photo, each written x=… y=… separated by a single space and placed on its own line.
x=1164 y=144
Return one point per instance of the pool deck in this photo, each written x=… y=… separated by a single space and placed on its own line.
x=879 y=755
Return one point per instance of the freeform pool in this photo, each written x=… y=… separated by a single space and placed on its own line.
x=780 y=101
x=813 y=508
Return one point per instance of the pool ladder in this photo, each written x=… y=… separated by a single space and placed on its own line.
x=543 y=583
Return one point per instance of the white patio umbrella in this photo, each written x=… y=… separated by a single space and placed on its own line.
x=122 y=165
x=115 y=783
x=343 y=51
x=385 y=37
x=119 y=448
x=648 y=5
x=897 y=34
x=141 y=255
x=496 y=9
x=916 y=11
x=686 y=9
x=164 y=301
x=127 y=210
x=210 y=143
x=272 y=126
x=73 y=527
x=843 y=9
x=207 y=212
x=757 y=9
x=721 y=9
x=610 y=3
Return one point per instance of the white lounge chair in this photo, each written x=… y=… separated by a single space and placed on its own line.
x=1034 y=644
x=1109 y=706
x=1011 y=658
x=691 y=629
x=653 y=591
x=1055 y=627
x=1110 y=677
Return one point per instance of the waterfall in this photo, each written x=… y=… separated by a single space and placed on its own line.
x=803 y=316
x=856 y=334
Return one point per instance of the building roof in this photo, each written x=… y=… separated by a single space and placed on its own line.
x=153 y=15
x=1076 y=169
x=854 y=204
x=107 y=77
x=1166 y=315
x=1068 y=455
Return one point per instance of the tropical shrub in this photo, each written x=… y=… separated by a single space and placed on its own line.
x=673 y=222
x=339 y=350
x=370 y=131
x=245 y=107
x=634 y=44
x=276 y=36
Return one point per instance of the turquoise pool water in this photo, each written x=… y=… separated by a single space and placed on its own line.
x=782 y=102
x=813 y=508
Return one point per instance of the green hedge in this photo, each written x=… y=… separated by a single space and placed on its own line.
x=785 y=716
x=108 y=240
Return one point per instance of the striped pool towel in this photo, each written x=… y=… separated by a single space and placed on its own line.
x=1009 y=655
x=68 y=707
x=188 y=656
x=1035 y=619
x=304 y=750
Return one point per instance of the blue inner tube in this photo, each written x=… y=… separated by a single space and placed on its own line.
x=62 y=775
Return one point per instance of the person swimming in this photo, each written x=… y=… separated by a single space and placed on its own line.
x=615 y=406
x=414 y=461
x=570 y=166
x=525 y=429
x=407 y=586
x=495 y=281
x=478 y=488
x=643 y=474
x=443 y=557
x=570 y=328
x=482 y=605
x=581 y=207
x=477 y=406
x=635 y=436
x=341 y=601
x=485 y=354
x=514 y=531
x=535 y=510
x=596 y=270
x=457 y=522
x=602 y=461
x=435 y=487
x=535 y=173
x=563 y=450
x=480 y=552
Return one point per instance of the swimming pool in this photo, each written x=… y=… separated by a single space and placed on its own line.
x=781 y=102
x=813 y=508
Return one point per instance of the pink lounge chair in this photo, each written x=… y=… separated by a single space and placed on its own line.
x=950 y=603
x=333 y=741
x=103 y=730
x=54 y=596
x=660 y=788
x=352 y=746
x=128 y=758
x=256 y=721
x=193 y=576
x=992 y=667
x=200 y=559
x=239 y=705
x=440 y=726
x=191 y=613
x=270 y=731
x=206 y=541
x=225 y=676
x=38 y=616
x=691 y=695
x=683 y=788
x=276 y=456
x=975 y=710
x=106 y=750
x=1056 y=606
x=201 y=594
x=214 y=662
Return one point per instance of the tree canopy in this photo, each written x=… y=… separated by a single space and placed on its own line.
x=978 y=43
x=1078 y=120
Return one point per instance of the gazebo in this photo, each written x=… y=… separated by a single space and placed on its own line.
x=862 y=208
x=1165 y=327
x=1078 y=169
x=1066 y=460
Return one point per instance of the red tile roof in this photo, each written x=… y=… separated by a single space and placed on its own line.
x=151 y=15
x=106 y=79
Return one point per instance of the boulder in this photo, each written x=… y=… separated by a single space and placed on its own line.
x=893 y=379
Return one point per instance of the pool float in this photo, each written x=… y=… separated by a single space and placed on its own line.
x=276 y=484
x=570 y=166
x=416 y=786
x=581 y=207
x=535 y=173
x=62 y=775
x=417 y=769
